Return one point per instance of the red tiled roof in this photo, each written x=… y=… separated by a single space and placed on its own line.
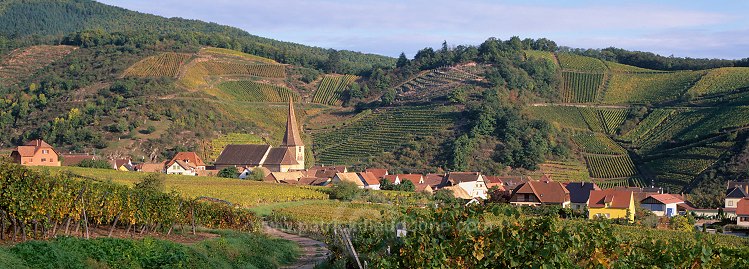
x=742 y=208
x=617 y=198
x=548 y=192
x=189 y=157
x=458 y=177
x=414 y=178
x=390 y=178
x=434 y=179
x=151 y=167
x=377 y=172
x=369 y=178
x=31 y=147
x=666 y=198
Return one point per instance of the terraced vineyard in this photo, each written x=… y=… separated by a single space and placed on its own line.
x=563 y=171
x=163 y=65
x=612 y=118
x=251 y=91
x=381 y=131
x=597 y=143
x=655 y=118
x=604 y=166
x=580 y=87
x=570 y=61
x=623 y=68
x=722 y=80
x=331 y=88
x=649 y=87
x=626 y=182
x=244 y=56
x=22 y=63
x=218 y=144
x=434 y=83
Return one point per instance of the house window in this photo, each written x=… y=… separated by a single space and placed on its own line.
x=44 y=159
x=44 y=151
x=730 y=203
x=744 y=219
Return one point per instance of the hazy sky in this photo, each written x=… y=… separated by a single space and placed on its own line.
x=704 y=29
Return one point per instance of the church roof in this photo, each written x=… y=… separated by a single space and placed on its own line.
x=291 y=137
x=281 y=155
x=250 y=155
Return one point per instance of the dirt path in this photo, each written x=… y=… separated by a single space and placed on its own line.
x=313 y=252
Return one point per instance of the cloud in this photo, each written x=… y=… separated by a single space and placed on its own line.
x=391 y=26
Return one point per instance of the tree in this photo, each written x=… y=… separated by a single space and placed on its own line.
x=257 y=174
x=386 y=185
x=402 y=61
x=388 y=98
x=229 y=172
x=152 y=182
x=345 y=190
x=680 y=223
x=406 y=185
x=445 y=196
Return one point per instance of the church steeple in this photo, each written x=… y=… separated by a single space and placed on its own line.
x=291 y=138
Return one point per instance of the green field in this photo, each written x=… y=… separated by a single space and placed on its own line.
x=722 y=80
x=240 y=192
x=570 y=61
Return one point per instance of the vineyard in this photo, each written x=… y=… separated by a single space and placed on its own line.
x=677 y=167
x=244 y=193
x=649 y=87
x=378 y=132
x=623 y=68
x=214 y=62
x=331 y=88
x=560 y=116
x=251 y=91
x=652 y=120
x=218 y=144
x=329 y=212
x=722 y=80
x=581 y=87
x=434 y=83
x=38 y=206
x=605 y=166
x=22 y=63
x=563 y=171
x=597 y=144
x=570 y=61
x=220 y=52
x=626 y=182
x=165 y=64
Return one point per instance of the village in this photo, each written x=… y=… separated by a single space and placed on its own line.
x=286 y=165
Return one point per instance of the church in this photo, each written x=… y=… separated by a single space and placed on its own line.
x=287 y=157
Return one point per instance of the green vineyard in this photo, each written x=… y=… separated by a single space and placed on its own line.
x=597 y=143
x=627 y=182
x=649 y=87
x=218 y=144
x=623 y=68
x=722 y=80
x=250 y=91
x=378 y=132
x=563 y=171
x=655 y=118
x=581 y=87
x=331 y=88
x=560 y=116
x=603 y=166
x=592 y=118
x=570 y=61
x=612 y=118
x=230 y=68
x=241 y=55
x=162 y=65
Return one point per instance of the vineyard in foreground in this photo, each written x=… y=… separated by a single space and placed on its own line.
x=381 y=131
x=38 y=206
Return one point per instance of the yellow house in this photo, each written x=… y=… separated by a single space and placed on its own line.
x=611 y=204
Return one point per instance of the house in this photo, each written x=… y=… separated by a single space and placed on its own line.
x=542 y=192
x=378 y=173
x=277 y=177
x=495 y=182
x=580 y=193
x=75 y=159
x=151 y=167
x=662 y=204
x=287 y=157
x=392 y=179
x=124 y=165
x=611 y=204
x=414 y=178
x=641 y=193
x=733 y=196
x=370 y=180
x=180 y=167
x=742 y=213
x=472 y=182
x=348 y=177
x=188 y=157
x=36 y=153
x=434 y=181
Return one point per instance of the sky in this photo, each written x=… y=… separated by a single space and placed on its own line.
x=682 y=28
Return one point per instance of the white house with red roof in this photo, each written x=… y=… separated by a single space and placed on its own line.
x=662 y=204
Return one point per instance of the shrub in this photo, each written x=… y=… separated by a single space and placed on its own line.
x=101 y=164
x=229 y=172
x=346 y=191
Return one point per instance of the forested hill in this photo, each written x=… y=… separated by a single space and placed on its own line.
x=39 y=18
